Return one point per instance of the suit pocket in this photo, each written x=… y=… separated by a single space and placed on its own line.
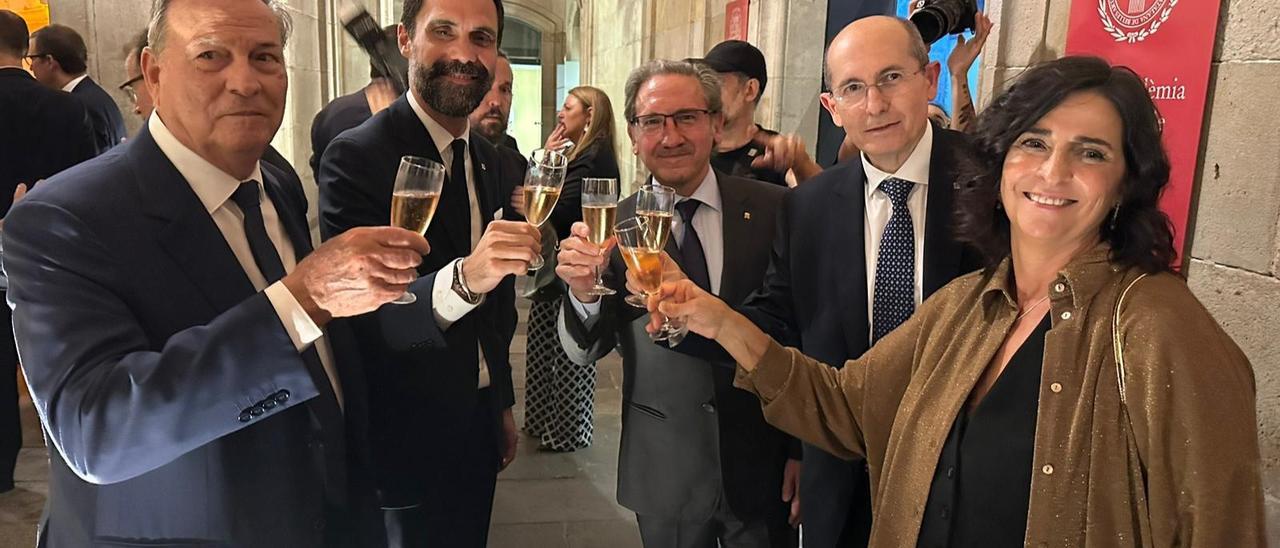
x=105 y=542
x=648 y=410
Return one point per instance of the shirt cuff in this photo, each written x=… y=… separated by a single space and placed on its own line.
x=301 y=328
x=447 y=306
x=588 y=313
x=771 y=375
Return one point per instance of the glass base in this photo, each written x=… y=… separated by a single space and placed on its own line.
x=638 y=301
x=601 y=291
x=405 y=298
x=536 y=263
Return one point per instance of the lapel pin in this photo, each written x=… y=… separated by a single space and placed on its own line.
x=746 y=215
x=482 y=168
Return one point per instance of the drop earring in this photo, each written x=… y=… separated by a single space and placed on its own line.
x=1115 y=212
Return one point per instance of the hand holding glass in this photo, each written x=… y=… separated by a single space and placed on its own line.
x=542 y=184
x=645 y=264
x=414 y=199
x=599 y=209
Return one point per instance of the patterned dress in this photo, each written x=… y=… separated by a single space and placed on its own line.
x=559 y=394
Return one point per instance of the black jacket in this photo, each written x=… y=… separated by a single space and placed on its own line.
x=45 y=131
x=336 y=117
x=422 y=380
x=108 y=124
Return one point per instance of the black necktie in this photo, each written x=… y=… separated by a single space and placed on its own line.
x=455 y=206
x=326 y=407
x=695 y=261
x=894 y=293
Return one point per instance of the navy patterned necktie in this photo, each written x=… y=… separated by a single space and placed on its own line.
x=695 y=261
x=895 y=295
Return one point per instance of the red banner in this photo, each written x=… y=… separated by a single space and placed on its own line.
x=735 y=19
x=1169 y=43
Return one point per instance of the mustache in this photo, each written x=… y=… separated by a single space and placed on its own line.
x=494 y=112
x=684 y=149
x=458 y=68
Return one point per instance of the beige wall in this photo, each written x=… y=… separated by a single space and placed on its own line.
x=1235 y=252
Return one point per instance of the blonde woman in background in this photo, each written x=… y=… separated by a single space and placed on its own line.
x=559 y=394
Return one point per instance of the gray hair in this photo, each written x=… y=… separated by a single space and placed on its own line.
x=160 y=18
x=915 y=46
x=707 y=79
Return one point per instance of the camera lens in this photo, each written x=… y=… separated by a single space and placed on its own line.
x=937 y=18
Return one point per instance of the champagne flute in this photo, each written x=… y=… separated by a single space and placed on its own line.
x=414 y=200
x=645 y=262
x=599 y=208
x=655 y=205
x=542 y=184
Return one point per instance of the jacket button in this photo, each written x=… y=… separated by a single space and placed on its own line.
x=1066 y=315
x=282 y=396
x=1047 y=469
x=1056 y=387
x=245 y=416
x=256 y=410
x=708 y=408
x=268 y=404
x=1059 y=287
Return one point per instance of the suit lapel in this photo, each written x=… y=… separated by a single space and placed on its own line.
x=736 y=227
x=187 y=232
x=847 y=216
x=485 y=172
x=941 y=253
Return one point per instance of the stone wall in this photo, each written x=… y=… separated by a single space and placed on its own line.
x=1235 y=251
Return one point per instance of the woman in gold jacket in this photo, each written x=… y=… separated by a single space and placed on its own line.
x=1133 y=426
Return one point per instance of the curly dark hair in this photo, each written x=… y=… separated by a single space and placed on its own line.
x=1142 y=235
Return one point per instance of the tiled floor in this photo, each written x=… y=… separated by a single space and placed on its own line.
x=544 y=500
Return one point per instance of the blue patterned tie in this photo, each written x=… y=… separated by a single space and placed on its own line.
x=896 y=267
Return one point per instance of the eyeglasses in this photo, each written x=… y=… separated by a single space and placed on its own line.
x=127 y=87
x=889 y=83
x=684 y=119
x=28 y=60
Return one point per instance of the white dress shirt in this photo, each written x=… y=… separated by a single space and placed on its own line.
x=214 y=188
x=448 y=307
x=879 y=208
x=708 y=221
x=74 y=82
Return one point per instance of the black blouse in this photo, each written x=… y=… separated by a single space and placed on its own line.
x=982 y=485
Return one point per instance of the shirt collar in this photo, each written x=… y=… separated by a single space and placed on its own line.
x=708 y=192
x=2 y=67
x=915 y=169
x=212 y=185
x=74 y=82
x=439 y=135
x=1082 y=279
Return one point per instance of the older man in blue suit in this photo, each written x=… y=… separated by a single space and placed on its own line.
x=176 y=327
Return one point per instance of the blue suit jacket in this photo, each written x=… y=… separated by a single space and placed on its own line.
x=108 y=124
x=422 y=380
x=144 y=343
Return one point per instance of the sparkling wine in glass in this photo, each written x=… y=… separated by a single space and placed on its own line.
x=599 y=209
x=655 y=205
x=414 y=200
x=645 y=263
x=542 y=184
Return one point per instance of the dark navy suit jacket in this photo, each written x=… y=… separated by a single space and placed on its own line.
x=108 y=124
x=145 y=343
x=422 y=380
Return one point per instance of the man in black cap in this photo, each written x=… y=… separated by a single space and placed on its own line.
x=743 y=76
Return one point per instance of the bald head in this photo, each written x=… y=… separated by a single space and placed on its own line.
x=901 y=34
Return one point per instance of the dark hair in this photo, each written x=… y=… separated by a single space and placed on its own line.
x=65 y=45
x=389 y=32
x=13 y=33
x=138 y=44
x=409 y=16
x=1142 y=236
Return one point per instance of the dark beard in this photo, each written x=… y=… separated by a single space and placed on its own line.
x=492 y=129
x=449 y=99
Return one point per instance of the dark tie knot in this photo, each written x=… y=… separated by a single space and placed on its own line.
x=687 y=208
x=459 y=147
x=897 y=190
x=246 y=196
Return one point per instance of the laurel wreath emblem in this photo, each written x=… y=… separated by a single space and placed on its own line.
x=1135 y=35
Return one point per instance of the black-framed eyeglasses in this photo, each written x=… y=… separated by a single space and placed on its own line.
x=127 y=87
x=684 y=119
x=29 y=59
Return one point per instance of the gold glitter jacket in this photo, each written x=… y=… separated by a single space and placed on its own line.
x=1186 y=473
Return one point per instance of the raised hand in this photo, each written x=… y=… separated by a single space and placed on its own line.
x=506 y=248
x=356 y=272
x=577 y=260
x=785 y=152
